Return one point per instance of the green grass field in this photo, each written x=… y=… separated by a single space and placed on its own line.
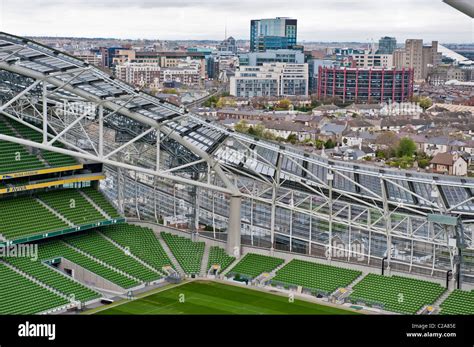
x=216 y=298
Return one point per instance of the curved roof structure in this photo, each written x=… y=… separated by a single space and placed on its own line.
x=169 y=143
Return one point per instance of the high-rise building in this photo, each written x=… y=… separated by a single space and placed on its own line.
x=387 y=45
x=276 y=79
x=228 y=45
x=273 y=33
x=418 y=57
x=365 y=85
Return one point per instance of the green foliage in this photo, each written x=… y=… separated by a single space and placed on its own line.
x=292 y=138
x=211 y=102
x=169 y=91
x=406 y=148
x=425 y=103
x=242 y=127
x=330 y=144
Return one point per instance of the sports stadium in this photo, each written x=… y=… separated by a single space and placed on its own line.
x=137 y=206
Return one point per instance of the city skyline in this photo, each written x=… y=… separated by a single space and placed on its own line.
x=318 y=20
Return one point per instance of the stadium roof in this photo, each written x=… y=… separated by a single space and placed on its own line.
x=227 y=151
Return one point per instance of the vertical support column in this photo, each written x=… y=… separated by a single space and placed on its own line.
x=344 y=90
x=357 y=86
x=136 y=195
x=310 y=225
x=233 y=230
x=45 y=115
x=158 y=148
x=383 y=81
x=369 y=85
x=101 y=131
x=349 y=221
x=320 y=75
x=333 y=81
x=330 y=178
x=369 y=222
x=388 y=222
x=403 y=84
x=394 y=79
x=275 y=186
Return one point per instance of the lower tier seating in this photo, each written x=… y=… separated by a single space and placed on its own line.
x=57 y=249
x=47 y=275
x=396 y=293
x=188 y=253
x=314 y=276
x=253 y=265
x=141 y=241
x=218 y=256
x=94 y=244
x=458 y=302
x=19 y=295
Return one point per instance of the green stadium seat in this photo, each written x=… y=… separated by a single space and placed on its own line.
x=218 y=256
x=188 y=253
x=252 y=265
x=142 y=243
x=395 y=293
x=19 y=295
x=94 y=244
x=459 y=302
x=315 y=277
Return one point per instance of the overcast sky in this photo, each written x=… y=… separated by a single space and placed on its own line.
x=336 y=20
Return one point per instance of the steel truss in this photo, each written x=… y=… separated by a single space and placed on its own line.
x=166 y=164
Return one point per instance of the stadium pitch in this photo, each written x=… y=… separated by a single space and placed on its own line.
x=203 y=297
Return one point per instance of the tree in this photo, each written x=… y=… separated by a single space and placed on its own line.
x=425 y=103
x=330 y=144
x=406 y=148
x=169 y=91
x=292 y=138
x=242 y=127
x=284 y=104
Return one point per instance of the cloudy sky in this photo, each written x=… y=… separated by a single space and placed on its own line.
x=331 y=20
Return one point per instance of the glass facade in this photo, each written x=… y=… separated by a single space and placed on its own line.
x=274 y=33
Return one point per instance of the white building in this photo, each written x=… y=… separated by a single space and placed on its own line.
x=270 y=79
x=139 y=74
x=373 y=60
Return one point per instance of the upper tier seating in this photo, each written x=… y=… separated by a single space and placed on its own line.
x=72 y=205
x=24 y=216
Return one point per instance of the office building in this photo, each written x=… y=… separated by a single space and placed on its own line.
x=371 y=60
x=365 y=85
x=418 y=57
x=228 y=45
x=276 y=79
x=387 y=45
x=271 y=56
x=274 y=33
